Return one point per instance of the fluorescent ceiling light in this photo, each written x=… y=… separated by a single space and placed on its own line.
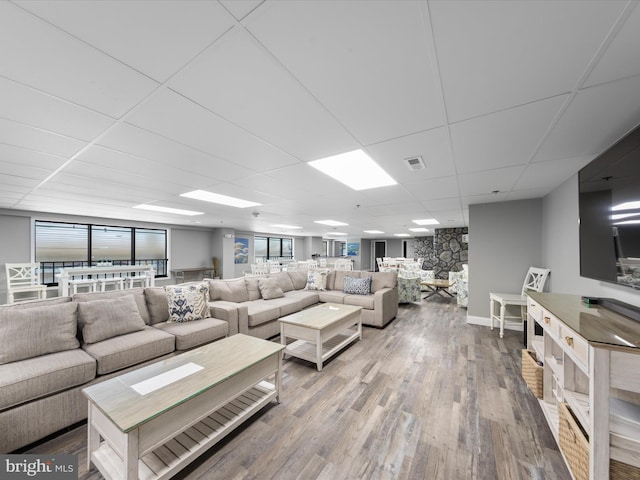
x=221 y=199
x=619 y=216
x=177 y=211
x=285 y=226
x=401 y=235
x=419 y=229
x=426 y=221
x=336 y=233
x=628 y=222
x=374 y=231
x=355 y=169
x=331 y=223
x=626 y=206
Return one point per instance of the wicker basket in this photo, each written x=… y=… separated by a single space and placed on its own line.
x=623 y=471
x=573 y=443
x=532 y=372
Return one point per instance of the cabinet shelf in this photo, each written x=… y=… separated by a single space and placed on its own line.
x=579 y=403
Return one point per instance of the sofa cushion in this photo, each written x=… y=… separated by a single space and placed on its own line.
x=332 y=296
x=284 y=281
x=130 y=349
x=259 y=312
x=193 y=334
x=338 y=283
x=380 y=280
x=229 y=290
x=157 y=304
x=269 y=288
x=317 y=280
x=331 y=279
x=357 y=286
x=188 y=302
x=138 y=296
x=252 y=287
x=305 y=297
x=32 y=378
x=287 y=305
x=298 y=279
x=36 y=331
x=364 y=301
x=103 y=319
x=22 y=305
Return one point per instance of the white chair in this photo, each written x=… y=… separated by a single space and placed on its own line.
x=534 y=281
x=76 y=283
x=23 y=278
x=117 y=282
x=142 y=278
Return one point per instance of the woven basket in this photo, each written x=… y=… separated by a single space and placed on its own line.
x=532 y=372
x=622 y=471
x=573 y=443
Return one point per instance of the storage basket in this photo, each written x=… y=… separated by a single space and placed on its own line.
x=573 y=443
x=532 y=372
x=623 y=471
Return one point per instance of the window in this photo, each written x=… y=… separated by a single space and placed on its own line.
x=273 y=247
x=64 y=245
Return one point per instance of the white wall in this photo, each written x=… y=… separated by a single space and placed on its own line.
x=15 y=245
x=560 y=249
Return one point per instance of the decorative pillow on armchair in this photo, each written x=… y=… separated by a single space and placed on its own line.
x=357 y=286
x=317 y=280
x=187 y=302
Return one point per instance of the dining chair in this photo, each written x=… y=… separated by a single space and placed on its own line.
x=534 y=281
x=24 y=278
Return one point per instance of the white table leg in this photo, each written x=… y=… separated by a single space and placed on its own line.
x=491 y=311
x=131 y=455
x=503 y=311
x=93 y=437
x=319 y=350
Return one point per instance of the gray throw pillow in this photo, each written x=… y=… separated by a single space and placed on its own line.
x=31 y=332
x=357 y=286
x=103 y=319
x=269 y=288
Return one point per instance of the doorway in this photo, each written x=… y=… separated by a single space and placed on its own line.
x=379 y=251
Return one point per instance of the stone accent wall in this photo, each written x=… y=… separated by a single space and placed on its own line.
x=444 y=252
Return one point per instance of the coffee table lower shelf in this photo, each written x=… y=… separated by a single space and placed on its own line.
x=309 y=351
x=164 y=461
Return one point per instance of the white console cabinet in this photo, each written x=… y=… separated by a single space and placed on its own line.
x=591 y=362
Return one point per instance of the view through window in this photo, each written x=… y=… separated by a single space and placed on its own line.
x=272 y=248
x=63 y=245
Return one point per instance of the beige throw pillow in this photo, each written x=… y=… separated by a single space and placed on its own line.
x=103 y=319
x=188 y=302
x=269 y=288
x=31 y=332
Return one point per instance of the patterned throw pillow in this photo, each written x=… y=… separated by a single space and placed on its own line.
x=187 y=302
x=357 y=286
x=317 y=280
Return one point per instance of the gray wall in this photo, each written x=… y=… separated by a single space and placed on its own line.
x=505 y=239
x=15 y=245
x=191 y=248
x=560 y=248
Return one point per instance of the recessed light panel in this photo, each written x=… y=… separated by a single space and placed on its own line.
x=355 y=169
x=377 y=232
x=220 y=199
x=290 y=227
x=331 y=223
x=176 y=211
x=337 y=233
x=401 y=235
x=419 y=229
x=426 y=221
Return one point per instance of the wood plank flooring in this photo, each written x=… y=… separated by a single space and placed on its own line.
x=427 y=397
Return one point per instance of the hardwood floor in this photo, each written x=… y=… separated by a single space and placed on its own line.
x=428 y=397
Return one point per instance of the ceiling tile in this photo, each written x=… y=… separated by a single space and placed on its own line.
x=12 y=133
x=155 y=38
x=580 y=132
x=547 y=176
x=494 y=55
x=483 y=183
x=371 y=61
x=438 y=188
x=52 y=61
x=193 y=125
x=240 y=8
x=29 y=158
x=481 y=143
x=237 y=79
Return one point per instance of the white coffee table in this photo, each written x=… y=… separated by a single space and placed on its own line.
x=152 y=422
x=320 y=331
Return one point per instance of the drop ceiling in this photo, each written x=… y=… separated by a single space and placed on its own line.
x=105 y=105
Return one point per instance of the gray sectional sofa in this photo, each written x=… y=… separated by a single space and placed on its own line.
x=240 y=300
x=51 y=349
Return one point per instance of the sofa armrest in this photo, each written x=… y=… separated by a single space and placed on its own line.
x=229 y=312
x=385 y=303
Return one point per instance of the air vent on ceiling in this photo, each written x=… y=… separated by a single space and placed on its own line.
x=415 y=163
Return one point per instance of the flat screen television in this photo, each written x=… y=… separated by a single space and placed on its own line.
x=609 y=206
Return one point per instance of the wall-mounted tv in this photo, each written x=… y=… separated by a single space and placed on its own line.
x=609 y=206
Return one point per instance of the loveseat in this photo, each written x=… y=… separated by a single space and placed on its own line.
x=252 y=306
x=51 y=349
